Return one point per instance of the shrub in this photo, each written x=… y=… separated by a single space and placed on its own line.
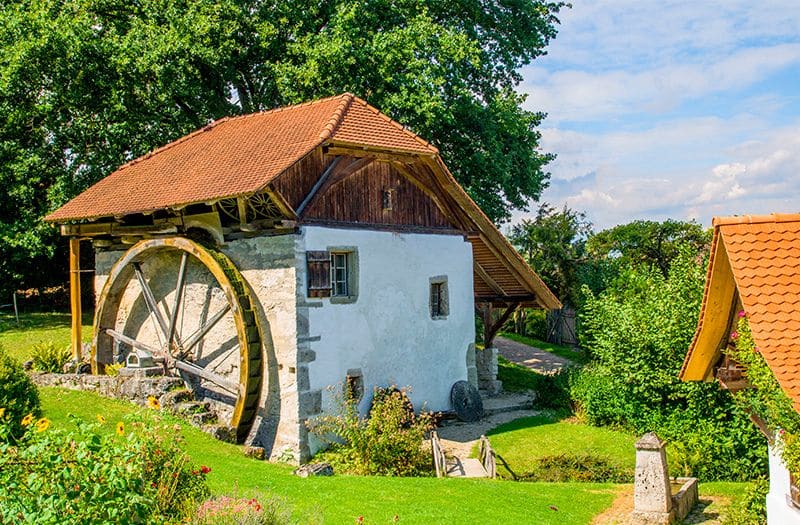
x=225 y=510
x=47 y=357
x=577 y=467
x=751 y=507
x=638 y=331
x=18 y=397
x=137 y=474
x=388 y=443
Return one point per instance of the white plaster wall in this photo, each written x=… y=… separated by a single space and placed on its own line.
x=780 y=511
x=388 y=332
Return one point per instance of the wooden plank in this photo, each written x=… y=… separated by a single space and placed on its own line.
x=122 y=338
x=75 y=295
x=193 y=369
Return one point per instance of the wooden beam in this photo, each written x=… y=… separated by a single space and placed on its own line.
x=414 y=179
x=382 y=154
x=75 y=295
x=318 y=185
x=332 y=177
x=483 y=274
x=492 y=326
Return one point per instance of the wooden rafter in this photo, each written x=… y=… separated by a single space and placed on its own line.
x=483 y=274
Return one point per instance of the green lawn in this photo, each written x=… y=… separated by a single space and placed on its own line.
x=523 y=441
x=341 y=499
x=37 y=327
x=566 y=352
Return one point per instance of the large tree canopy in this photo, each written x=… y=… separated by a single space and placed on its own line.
x=86 y=85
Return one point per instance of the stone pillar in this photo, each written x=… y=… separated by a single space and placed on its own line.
x=652 y=495
x=472 y=369
x=486 y=364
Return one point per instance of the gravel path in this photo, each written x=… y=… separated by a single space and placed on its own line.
x=529 y=356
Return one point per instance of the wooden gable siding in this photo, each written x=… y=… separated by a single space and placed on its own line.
x=296 y=182
x=359 y=197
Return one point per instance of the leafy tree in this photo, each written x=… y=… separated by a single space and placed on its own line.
x=652 y=243
x=554 y=244
x=86 y=85
x=638 y=331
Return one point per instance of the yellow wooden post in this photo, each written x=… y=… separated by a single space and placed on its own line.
x=75 y=294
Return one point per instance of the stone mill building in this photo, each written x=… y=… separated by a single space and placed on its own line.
x=268 y=257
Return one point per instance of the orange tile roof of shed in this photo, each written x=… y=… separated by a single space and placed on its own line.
x=237 y=156
x=764 y=255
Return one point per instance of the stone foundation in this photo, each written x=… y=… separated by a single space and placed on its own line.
x=135 y=389
x=486 y=368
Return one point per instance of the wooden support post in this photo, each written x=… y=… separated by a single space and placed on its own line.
x=75 y=294
x=491 y=326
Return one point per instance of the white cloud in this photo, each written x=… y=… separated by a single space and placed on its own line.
x=613 y=184
x=576 y=95
x=661 y=109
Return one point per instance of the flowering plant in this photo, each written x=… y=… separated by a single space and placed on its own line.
x=93 y=475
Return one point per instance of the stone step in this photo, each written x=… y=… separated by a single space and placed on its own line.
x=221 y=432
x=173 y=397
x=506 y=403
x=189 y=408
x=201 y=419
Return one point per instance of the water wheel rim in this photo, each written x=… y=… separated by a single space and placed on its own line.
x=231 y=282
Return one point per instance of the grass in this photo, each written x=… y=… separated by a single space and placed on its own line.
x=342 y=499
x=37 y=327
x=517 y=378
x=567 y=352
x=523 y=441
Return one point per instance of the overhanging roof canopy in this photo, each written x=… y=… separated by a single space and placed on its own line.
x=758 y=257
x=241 y=156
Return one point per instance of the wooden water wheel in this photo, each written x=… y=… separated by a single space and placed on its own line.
x=188 y=306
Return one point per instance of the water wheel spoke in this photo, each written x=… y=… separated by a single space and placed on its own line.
x=202 y=373
x=173 y=318
x=203 y=330
x=122 y=338
x=217 y=362
x=149 y=298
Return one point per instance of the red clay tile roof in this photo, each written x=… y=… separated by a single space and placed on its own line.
x=764 y=255
x=237 y=156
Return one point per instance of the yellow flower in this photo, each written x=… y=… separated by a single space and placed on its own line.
x=152 y=402
x=27 y=420
x=101 y=419
x=120 y=428
x=42 y=424
x=2 y=412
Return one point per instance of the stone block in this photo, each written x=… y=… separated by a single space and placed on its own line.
x=652 y=493
x=314 y=469
x=310 y=403
x=306 y=355
x=303 y=379
x=255 y=452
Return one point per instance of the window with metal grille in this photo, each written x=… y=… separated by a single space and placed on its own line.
x=340 y=286
x=438 y=298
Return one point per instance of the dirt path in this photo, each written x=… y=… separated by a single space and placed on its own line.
x=709 y=511
x=529 y=356
x=458 y=438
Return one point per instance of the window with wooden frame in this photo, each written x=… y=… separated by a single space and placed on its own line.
x=439 y=300
x=333 y=273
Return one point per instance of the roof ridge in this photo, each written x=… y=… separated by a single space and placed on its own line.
x=223 y=120
x=756 y=219
x=396 y=124
x=336 y=118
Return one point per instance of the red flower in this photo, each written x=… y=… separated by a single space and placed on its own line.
x=204 y=469
x=741 y=313
x=734 y=335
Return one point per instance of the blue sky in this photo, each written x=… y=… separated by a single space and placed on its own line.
x=678 y=109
